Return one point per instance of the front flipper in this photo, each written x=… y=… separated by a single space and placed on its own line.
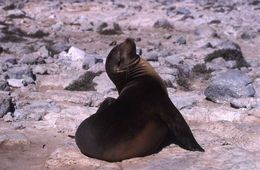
x=180 y=132
x=107 y=102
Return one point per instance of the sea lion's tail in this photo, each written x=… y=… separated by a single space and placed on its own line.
x=180 y=132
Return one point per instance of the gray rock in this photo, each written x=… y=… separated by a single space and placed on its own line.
x=50 y=60
x=60 y=80
x=40 y=70
x=19 y=114
x=166 y=70
x=34 y=110
x=156 y=53
x=77 y=58
x=167 y=36
x=184 y=101
x=3 y=67
x=20 y=72
x=227 y=44
x=86 y=26
x=16 y=13
x=43 y=52
x=57 y=26
x=75 y=54
x=218 y=64
x=98 y=67
x=19 y=125
x=6 y=104
x=162 y=23
x=174 y=60
x=182 y=11
x=11 y=60
x=109 y=28
x=125 y=15
x=257 y=87
x=8 y=117
x=232 y=64
x=169 y=80
x=37 y=33
x=181 y=40
x=96 y=99
x=69 y=118
x=103 y=84
x=28 y=80
x=58 y=48
x=245 y=103
x=248 y=33
x=157 y=44
x=171 y=11
x=90 y=60
x=31 y=60
x=205 y=31
x=4 y=85
x=228 y=85
x=213 y=114
x=151 y=56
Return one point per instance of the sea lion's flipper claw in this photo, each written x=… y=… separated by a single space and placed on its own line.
x=179 y=128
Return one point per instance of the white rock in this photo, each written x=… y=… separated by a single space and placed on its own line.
x=76 y=54
x=16 y=82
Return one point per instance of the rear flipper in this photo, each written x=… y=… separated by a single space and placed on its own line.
x=180 y=132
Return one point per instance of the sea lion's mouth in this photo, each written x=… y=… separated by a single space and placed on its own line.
x=128 y=66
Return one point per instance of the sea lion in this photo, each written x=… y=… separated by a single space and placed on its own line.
x=141 y=121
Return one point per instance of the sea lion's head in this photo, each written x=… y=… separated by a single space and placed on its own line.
x=120 y=60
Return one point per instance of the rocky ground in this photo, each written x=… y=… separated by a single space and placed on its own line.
x=52 y=77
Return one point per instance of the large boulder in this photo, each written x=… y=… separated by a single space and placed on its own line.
x=228 y=85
